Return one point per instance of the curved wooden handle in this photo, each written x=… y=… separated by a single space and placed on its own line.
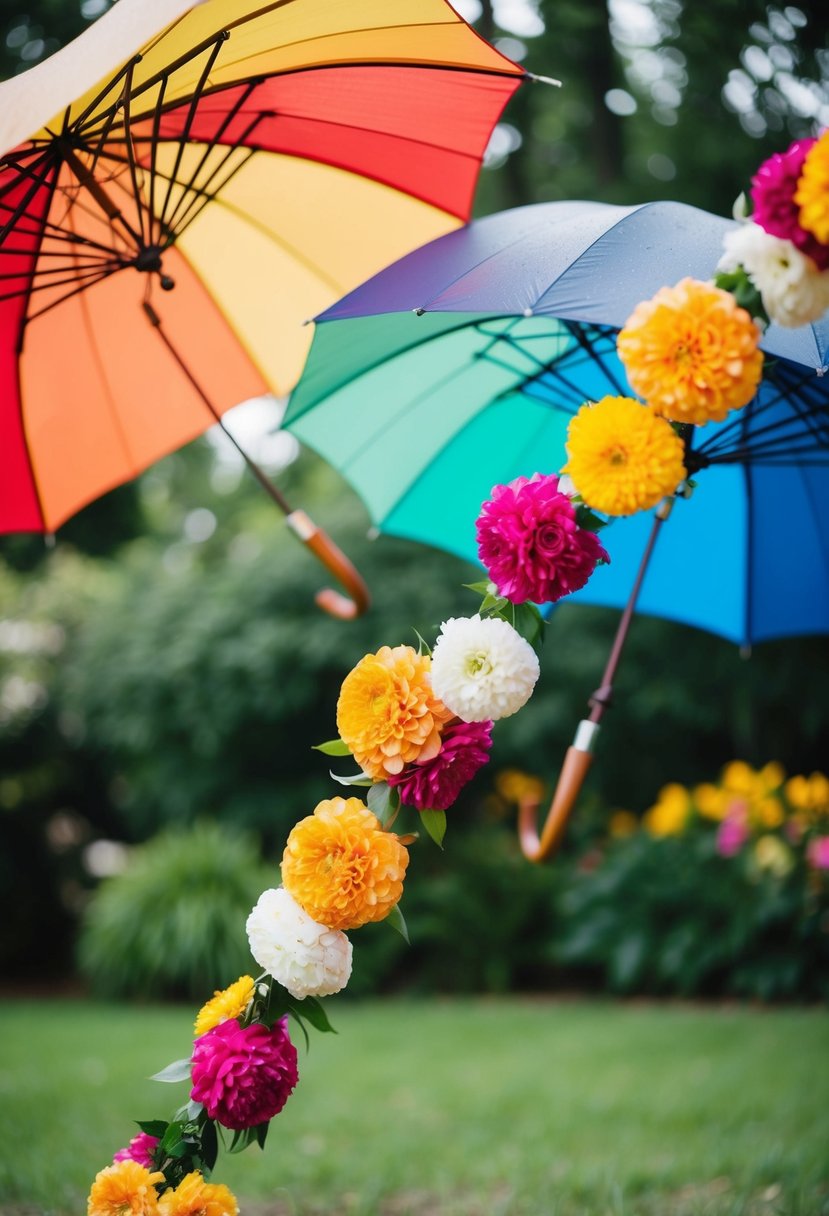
x=570 y=780
x=336 y=562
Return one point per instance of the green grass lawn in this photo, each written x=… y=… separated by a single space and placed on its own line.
x=455 y=1108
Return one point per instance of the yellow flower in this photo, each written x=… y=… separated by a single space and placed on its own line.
x=224 y=1005
x=772 y=775
x=739 y=778
x=622 y=457
x=771 y=854
x=195 y=1197
x=709 y=801
x=622 y=823
x=809 y=793
x=691 y=352
x=812 y=193
x=515 y=786
x=768 y=812
x=124 y=1188
x=341 y=867
x=387 y=714
x=670 y=813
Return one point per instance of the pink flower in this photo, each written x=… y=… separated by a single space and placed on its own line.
x=436 y=784
x=140 y=1149
x=818 y=852
x=772 y=192
x=733 y=832
x=530 y=543
x=244 y=1075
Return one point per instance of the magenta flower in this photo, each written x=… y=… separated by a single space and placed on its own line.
x=140 y=1149
x=732 y=833
x=436 y=784
x=772 y=192
x=818 y=852
x=530 y=543
x=244 y=1075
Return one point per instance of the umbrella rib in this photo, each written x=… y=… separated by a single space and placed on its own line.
x=68 y=295
x=127 y=90
x=108 y=87
x=178 y=225
x=209 y=192
x=80 y=277
x=188 y=123
x=725 y=434
x=20 y=209
x=774 y=431
x=578 y=333
x=154 y=140
x=291 y=250
x=53 y=270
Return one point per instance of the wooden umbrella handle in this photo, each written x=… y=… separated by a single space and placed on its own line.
x=577 y=761
x=346 y=608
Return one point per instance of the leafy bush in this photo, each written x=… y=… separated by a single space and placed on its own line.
x=173 y=923
x=723 y=891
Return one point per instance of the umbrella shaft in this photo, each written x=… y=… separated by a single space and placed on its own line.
x=602 y=697
x=264 y=481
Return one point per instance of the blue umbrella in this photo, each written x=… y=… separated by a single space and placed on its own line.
x=459 y=366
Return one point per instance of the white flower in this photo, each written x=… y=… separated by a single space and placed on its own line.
x=482 y=669
x=793 y=290
x=306 y=958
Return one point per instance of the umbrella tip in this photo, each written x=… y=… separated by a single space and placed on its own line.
x=418 y=312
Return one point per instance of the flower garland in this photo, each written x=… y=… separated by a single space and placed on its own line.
x=419 y=723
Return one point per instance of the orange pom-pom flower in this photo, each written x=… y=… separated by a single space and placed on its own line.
x=342 y=867
x=387 y=714
x=692 y=353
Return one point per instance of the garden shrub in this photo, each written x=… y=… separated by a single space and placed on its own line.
x=723 y=891
x=173 y=923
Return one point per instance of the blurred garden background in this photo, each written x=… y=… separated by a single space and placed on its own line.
x=164 y=675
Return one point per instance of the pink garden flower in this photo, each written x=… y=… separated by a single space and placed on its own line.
x=818 y=852
x=140 y=1149
x=436 y=784
x=530 y=543
x=772 y=192
x=244 y=1075
x=733 y=831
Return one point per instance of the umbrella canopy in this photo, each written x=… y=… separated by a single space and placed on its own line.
x=188 y=182
x=460 y=366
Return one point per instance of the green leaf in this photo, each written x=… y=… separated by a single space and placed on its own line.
x=423 y=646
x=529 y=622
x=434 y=823
x=740 y=208
x=153 y=1127
x=589 y=520
x=311 y=1009
x=395 y=919
x=493 y=604
x=242 y=1139
x=334 y=747
x=209 y=1144
x=194 y=1109
x=358 y=779
x=179 y=1070
x=261 y=1130
x=172 y=1138
x=383 y=801
x=482 y=588
x=744 y=292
